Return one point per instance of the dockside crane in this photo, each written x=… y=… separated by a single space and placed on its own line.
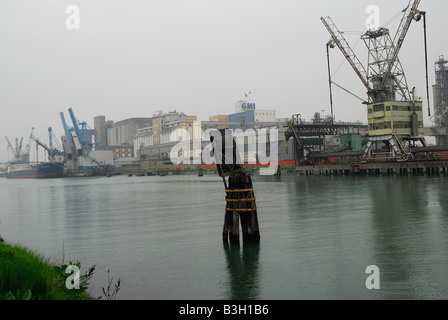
x=19 y=157
x=28 y=146
x=384 y=77
x=67 y=141
x=19 y=145
x=386 y=70
x=337 y=38
x=80 y=134
x=77 y=138
x=54 y=155
x=80 y=148
x=389 y=99
x=14 y=151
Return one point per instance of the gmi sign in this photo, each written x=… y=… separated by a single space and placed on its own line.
x=248 y=106
x=242 y=106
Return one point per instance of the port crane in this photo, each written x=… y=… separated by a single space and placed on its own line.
x=76 y=139
x=19 y=157
x=389 y=98
x=79 y=147
x=18 y=150
x=384 y=78
x=54 y=155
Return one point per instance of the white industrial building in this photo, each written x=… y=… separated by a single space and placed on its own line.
x=167 y=130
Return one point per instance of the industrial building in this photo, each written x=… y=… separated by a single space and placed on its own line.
x=153 y=143
x=440 y=90
x=123 y=132
x=118 y=137
x=220 y=118
x=100 y=126
x=246 y=113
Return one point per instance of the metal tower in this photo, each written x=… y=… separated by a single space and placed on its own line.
x=441 y=99
x=385 y=74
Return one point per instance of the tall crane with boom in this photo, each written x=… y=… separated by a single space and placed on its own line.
x=54 y=155
x=82 y=158
x=395 y=116
x=19 y=156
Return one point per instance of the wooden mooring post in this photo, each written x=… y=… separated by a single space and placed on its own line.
x=240 y=198
x=240 y=205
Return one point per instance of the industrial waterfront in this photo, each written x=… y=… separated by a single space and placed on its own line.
x=395 y=134
x=162 y=235
x=147 y=197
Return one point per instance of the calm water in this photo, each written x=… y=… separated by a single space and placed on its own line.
x=162 y=235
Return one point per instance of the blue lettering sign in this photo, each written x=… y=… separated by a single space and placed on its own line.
x=248 y=106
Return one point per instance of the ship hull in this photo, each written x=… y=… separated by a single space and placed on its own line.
x=42 y=171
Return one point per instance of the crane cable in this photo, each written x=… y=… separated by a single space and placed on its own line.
x=395 y=17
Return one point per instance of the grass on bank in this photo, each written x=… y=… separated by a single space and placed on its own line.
x=25 y=275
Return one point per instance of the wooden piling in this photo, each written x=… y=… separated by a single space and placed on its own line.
x=240 y=198
x=240 y=205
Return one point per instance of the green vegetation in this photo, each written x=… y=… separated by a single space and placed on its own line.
x=25 y=275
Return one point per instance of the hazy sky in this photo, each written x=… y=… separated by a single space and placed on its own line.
x=131 y=58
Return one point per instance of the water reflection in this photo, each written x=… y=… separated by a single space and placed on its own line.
x=402 y=242
x=325 y=231
x=442 y=187
x=242 y=269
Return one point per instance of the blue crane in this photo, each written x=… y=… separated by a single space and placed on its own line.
x=67 y=132
x=81 y=133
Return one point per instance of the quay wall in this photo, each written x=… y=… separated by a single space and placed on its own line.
x=391 y=168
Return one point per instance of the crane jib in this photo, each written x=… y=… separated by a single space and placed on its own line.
x=400 y=36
